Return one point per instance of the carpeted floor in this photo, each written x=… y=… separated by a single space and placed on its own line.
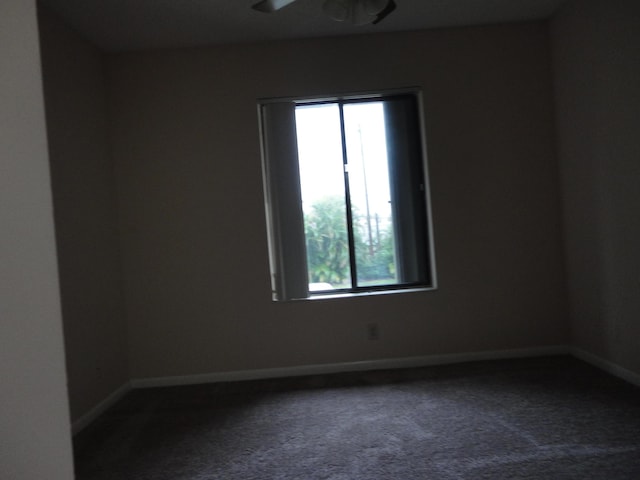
x=545 y=418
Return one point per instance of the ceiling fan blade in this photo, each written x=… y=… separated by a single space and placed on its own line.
x=391 y=6
x=269 y=6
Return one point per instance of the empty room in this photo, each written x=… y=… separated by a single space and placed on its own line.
x=320 y=239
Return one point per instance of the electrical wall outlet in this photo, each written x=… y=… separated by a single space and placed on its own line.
x=373 y=331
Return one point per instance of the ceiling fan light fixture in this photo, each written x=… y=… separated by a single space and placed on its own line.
x=374 y=7
x=359 y=13
x=356 y=12
x=337 y=10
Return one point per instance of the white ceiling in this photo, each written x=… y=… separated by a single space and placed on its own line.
x=117 y=25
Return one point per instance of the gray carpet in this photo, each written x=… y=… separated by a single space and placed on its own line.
x=545 y=418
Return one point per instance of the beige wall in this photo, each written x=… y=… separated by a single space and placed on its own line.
x=34 y=417
x=597 y=80
x=85 y=215
x=186 y=153
x=192 y=218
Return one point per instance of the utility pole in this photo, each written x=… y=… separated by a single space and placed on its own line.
x=366 y=192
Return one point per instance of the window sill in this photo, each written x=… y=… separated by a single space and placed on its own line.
x=330 y=296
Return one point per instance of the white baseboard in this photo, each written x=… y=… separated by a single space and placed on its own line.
x=99 y=409
x=405 y=362
x=606 y=365
x=391 y=363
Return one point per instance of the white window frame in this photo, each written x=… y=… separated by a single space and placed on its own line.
x=283 y=207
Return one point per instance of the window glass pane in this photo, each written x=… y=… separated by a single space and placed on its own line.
x=373 y=225
x=323 y=196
